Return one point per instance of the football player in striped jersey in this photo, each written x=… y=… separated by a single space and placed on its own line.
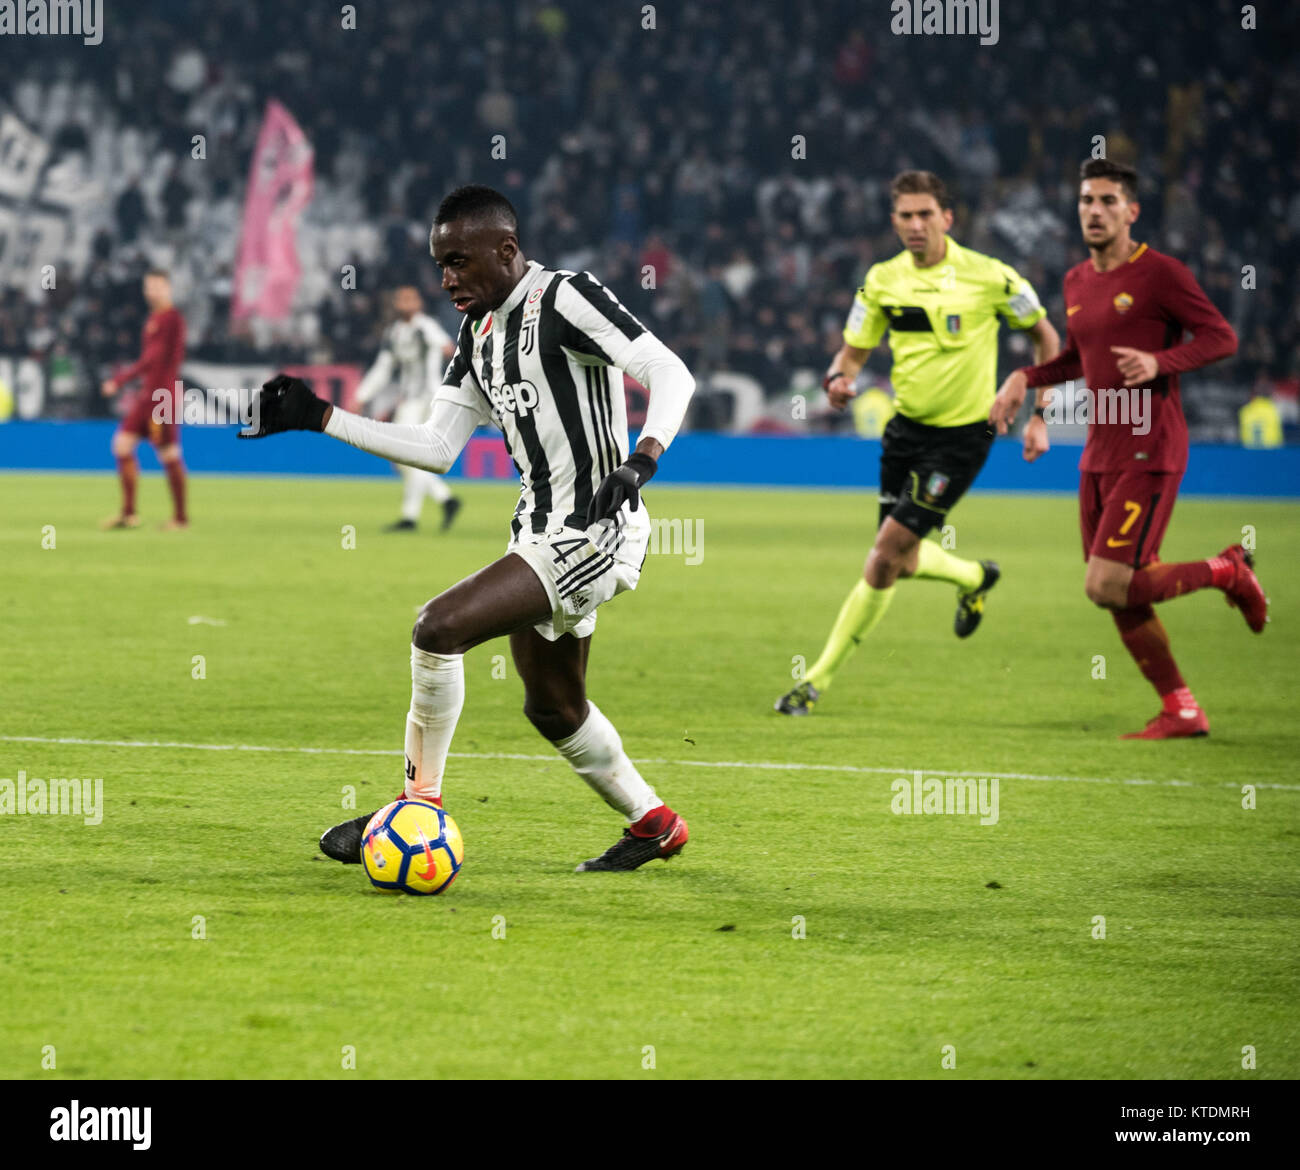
x=540 y=355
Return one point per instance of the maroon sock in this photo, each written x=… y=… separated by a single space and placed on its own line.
x=1162 y=582
x=176 y=481
x=128 y=471
x=1145 y=639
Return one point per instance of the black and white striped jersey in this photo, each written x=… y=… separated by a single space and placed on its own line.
x=547 y=368
x=413 y=352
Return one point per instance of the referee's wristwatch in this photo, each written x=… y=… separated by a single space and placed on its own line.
x=826 y=381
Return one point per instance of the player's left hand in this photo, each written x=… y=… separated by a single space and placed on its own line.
x=285 y=404
x=620 y=486
x=1138 y=367
x=108 y=388
x=1035 y=437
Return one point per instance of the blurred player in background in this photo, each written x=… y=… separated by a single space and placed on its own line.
x=941 y=304
x=416 y=348
x=155 y=412
x=540 y=355
x=1127 y=310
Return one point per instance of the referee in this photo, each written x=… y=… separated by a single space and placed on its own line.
x=941 y=304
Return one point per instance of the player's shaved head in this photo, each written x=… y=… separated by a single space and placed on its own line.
x=475 y=241
x=483 y=205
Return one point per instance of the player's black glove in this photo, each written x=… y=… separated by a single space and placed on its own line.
x=622 y=484
x=285 y=404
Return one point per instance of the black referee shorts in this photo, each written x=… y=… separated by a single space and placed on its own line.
x=925 y=470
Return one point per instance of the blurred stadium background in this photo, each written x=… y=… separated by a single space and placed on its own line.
x=629 y=150
x=232 y=685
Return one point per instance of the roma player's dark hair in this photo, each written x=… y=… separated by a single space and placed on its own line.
x=1104 y=168
x=920 y=183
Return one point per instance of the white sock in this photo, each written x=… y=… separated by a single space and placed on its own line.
x=413 y=491
x=436 y=488
x=437 y=695
x=597 y=755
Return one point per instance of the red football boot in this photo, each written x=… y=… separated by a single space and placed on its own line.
x=1244 y=592
x=1184 y=723
x=661 y=833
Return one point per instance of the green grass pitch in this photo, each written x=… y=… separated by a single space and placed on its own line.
x=922 y=933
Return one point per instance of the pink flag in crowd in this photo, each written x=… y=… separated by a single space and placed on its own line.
x=279 y=187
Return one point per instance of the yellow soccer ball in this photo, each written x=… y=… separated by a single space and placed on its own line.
x=412 y=847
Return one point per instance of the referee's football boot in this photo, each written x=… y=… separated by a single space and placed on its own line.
x=970 y=606
x=660 y=833
x=799 y=701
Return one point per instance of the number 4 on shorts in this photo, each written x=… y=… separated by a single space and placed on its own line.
x=564 y=549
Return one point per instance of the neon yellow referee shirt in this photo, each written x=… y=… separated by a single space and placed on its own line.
x=943 y=329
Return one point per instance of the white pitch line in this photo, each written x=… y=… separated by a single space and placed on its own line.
x=764 y=765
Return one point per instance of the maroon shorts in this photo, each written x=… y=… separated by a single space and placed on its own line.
x=1123 y=514
x=139 y=420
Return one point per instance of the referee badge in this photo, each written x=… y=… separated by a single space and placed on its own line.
x=936 y=485
x=954 y=322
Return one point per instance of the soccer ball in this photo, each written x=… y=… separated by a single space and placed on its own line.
x=413 y=847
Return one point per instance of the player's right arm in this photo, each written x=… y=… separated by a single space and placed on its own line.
x=287 y=404
x=862 y=333
x=152 y=354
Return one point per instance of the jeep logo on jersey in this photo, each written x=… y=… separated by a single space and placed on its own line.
x=516 y=398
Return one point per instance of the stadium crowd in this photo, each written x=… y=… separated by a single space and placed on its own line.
x=740 y=153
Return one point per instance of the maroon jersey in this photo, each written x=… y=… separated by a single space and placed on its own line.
x=1146 y=303
x=162 y=349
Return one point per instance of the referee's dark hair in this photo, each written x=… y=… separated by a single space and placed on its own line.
x=920 y=183
x=1121 y=173
x=478 y=202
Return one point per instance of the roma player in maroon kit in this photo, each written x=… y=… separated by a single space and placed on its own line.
x=158 y=368
x=1127 y=309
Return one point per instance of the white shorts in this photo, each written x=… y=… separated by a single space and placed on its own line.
x=581 y=570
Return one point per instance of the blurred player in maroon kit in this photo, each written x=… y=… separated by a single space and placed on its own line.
x=158 y=368
x=1127 y=310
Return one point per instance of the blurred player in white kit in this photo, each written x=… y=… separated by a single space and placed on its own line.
x=415 y=350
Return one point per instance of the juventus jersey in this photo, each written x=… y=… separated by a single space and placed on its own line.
x=412 y=350
x=547 y=368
